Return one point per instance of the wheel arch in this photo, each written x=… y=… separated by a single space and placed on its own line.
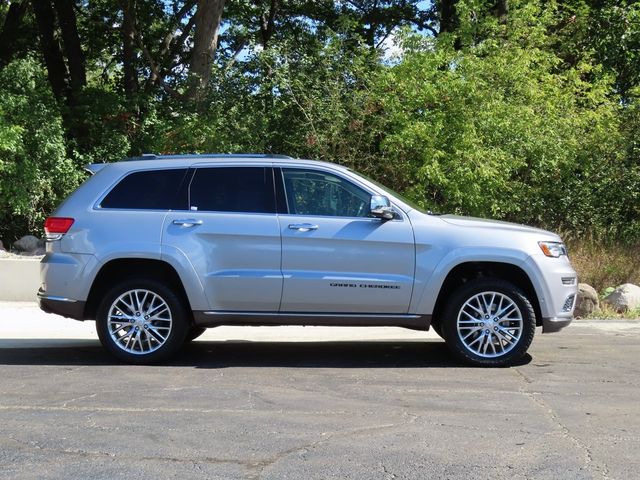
x=125 y=268
x=463 y=272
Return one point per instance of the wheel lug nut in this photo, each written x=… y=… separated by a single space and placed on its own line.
x=495 y=328
x=146 y=317
x=486 y=331
x=486 y=316
x=137 y=314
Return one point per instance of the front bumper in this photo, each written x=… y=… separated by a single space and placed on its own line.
x=66 y=307
x=556 y=285
x=555 y=324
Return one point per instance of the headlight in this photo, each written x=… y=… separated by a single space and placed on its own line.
x=553 y=249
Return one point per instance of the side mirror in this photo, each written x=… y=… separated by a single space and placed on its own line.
x=381 y=207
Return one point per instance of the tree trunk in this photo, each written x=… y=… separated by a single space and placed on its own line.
x=267 y=23
x=11 y=31
x=449 y=20
x=205 y=40
x=129 y=48
x=72 y=46
x=448 y=15
x=501 y=9
x=56 y=69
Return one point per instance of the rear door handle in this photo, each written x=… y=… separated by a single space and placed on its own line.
x=303 y=227
x=189 y=222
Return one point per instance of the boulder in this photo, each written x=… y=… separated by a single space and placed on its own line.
x=587 y=301
x=625 y=297
x=4 y=254
x=28 y=243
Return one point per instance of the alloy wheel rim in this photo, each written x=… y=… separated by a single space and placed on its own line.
x=139 y=321
x=490 y=324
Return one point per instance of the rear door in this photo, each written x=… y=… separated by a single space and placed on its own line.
x=335 y=258
x=230 y=235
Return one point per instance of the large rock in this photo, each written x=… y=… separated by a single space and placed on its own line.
x=28 y=243
x=625 y=297
x=587 y=301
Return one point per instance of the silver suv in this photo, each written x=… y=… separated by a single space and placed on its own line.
x=158 y=248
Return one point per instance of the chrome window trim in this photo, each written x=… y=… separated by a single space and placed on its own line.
x=280 y=165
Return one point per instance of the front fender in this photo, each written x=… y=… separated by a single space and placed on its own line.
x=426 y=292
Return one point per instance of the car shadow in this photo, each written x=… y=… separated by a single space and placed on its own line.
x=239 y=353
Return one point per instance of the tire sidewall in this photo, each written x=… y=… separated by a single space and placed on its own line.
x=179 y=319
x=472 y=288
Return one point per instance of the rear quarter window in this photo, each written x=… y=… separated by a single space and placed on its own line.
x=147 y=190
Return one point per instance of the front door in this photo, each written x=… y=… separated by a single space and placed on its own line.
x=335 y=258
x=231 y=237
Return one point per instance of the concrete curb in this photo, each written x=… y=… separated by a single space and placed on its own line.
x=19 y=279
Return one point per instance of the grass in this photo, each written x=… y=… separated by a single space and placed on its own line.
x=606 y=311
x=604 y=264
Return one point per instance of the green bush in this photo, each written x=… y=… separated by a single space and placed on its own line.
x=35 y=171
x=499 y=129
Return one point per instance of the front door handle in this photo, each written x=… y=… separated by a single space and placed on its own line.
x=189 y=222
x=303 y=227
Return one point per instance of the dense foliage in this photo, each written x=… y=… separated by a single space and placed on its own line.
x=528 y=112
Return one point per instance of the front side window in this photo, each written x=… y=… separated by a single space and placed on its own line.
x=147 y=190
x=313 y=192
x=232 y=189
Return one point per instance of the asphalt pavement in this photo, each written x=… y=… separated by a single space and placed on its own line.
x=316 y=403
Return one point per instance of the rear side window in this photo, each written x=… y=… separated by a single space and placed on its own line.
x=232 y=189
x=148 y=190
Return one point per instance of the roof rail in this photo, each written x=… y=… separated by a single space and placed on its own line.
x=153 y=156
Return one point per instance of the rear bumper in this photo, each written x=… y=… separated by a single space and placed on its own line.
x=555 y=324
x=66 y=307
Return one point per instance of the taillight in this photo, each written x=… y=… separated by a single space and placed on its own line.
x=56 y=227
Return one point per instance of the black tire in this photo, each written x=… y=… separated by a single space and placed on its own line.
x=193 y=333
x=174 y=308
x=495 y=333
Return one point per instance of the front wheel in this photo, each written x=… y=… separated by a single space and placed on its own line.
x=142 y=321
x=489 y=322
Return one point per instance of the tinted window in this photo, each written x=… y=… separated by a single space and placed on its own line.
x=233 y=189
x=156 y=189
x=311 y=192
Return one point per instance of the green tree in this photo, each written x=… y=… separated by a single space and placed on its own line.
x=35 y=173
x=498 y=129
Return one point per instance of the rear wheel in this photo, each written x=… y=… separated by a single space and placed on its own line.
x=489 y=322
x=142 y=321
